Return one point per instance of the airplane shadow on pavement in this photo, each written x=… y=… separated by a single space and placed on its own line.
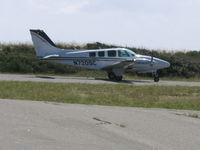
x=92 y=79
x=125 y=81
x=44 y=77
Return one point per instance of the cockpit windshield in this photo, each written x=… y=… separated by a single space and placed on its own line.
x=123 y=53
x=126 y=53
x=131 y=52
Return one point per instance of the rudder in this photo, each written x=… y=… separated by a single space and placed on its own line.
x=43 y=44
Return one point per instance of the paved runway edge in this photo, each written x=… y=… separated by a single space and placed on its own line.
x=61 y=79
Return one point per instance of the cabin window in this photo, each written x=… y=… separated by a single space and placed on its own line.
x=123 y=53
x=111 y=53
x=101 y=54
x=92 y=54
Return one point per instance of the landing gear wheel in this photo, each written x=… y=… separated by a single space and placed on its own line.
x=118 y=78
x=113 y=77
x=156 y=78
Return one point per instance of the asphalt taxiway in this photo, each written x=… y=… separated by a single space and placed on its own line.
x=35 y=125
x=61 y=79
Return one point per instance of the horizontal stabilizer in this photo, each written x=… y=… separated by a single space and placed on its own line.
x=50 y=56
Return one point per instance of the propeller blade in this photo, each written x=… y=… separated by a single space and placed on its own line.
x=152 y=56
x=151 y=60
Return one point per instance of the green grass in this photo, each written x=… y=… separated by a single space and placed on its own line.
x=174 y=97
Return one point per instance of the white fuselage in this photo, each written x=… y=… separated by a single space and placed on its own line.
x=102 y=58
x=88 y=58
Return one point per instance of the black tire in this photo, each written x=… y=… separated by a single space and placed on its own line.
x=156 y=79
x=118 y=78
x=111 y=76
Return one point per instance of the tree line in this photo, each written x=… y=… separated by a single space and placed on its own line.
x=20 y=58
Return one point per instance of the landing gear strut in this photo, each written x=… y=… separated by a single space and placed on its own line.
x=156 y=77
x=113 y=77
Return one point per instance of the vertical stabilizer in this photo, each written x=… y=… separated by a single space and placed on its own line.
x=43 y=44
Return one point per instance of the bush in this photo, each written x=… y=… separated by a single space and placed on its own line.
x=20 y=58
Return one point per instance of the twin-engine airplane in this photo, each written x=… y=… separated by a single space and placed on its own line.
x=115 y=61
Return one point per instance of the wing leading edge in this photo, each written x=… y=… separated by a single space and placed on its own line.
x=119 y=65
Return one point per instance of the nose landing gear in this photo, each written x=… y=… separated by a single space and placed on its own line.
x=156 y=77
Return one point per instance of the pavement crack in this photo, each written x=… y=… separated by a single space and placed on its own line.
x=192 y=115
x=100 y=122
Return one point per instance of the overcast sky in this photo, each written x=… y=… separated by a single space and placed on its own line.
x=153 y=24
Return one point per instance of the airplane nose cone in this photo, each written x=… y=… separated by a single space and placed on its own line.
x=160 y=64
x=166 y=64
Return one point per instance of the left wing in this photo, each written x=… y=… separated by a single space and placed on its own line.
x=120 y=65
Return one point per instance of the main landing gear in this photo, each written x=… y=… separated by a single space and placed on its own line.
x=113 y=77
x=156 y=77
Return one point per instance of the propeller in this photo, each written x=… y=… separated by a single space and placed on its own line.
x=151 y=59
x=154 y=72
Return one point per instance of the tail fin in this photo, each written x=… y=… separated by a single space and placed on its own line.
x=43 y=44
